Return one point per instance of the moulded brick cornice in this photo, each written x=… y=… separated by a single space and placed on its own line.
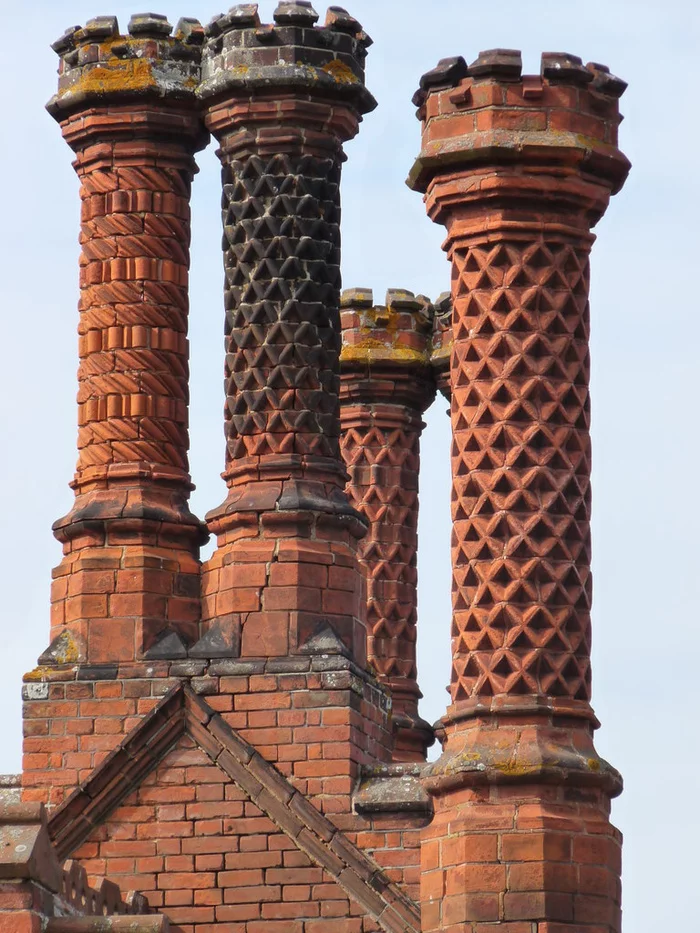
x=182 y=711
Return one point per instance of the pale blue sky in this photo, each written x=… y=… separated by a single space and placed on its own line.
x=646 y=330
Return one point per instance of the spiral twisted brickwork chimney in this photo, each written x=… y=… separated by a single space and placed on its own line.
x=126 y=106
x=519 y=168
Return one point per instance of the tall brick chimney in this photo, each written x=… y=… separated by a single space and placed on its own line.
x=518 y=169
x=285 y=581
x=126 y=106
x=386 y=385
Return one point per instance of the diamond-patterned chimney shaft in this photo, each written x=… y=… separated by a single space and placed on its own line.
x=518 y=169
x=386 y=385
x=519 y=244
x=282 y=99
x=521 y=468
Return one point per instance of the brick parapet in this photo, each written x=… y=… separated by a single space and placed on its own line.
x=518 y=169
x=126 y=106
x=386 y=385
x=38 y=893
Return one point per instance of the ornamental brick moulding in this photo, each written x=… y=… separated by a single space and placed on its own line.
x=518 y=169
x=386 y=385
x=126 y=106
x=281 y=99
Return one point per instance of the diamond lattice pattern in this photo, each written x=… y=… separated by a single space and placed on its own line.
x=282 y=248
x=383 y=469
x=521 y=470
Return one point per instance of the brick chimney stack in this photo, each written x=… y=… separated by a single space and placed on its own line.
x=126 y=106
x=285 y=582
x=386 y=385
x=518 y=169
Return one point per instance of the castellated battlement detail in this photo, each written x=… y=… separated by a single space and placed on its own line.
x=398 y=331
x=150 y=60
x=292 y=52
x=489 y=111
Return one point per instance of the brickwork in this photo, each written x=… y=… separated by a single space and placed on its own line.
x=182 y=784
x=285 y=578
x=386 y=386
x=37 y=894
x=518 y=169
x=126 y=107
x=240 y=740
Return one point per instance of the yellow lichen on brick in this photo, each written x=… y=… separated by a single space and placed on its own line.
x=134 y=74
x=340 y=72
x=374 y=351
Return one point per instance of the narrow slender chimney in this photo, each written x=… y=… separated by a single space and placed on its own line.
x=386 y=385
x=130 y=572
x=518 y=169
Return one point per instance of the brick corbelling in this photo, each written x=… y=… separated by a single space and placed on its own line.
x=181 y=710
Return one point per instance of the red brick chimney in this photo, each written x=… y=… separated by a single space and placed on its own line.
x=386 y=385
x=518 y=169
x=215 y=770
x=126 y=107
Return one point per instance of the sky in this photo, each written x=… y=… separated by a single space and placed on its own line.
x=645 y=337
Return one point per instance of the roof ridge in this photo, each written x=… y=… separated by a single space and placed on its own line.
x=313 y=833
x=181 y=711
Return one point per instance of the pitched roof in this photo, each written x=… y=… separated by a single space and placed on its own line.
x=183 y=711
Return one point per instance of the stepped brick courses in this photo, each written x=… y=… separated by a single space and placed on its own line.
x=240 y=740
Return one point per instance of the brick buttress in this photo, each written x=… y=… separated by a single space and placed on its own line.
x=518 y=169
x=126 y=107
x=386 y=385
